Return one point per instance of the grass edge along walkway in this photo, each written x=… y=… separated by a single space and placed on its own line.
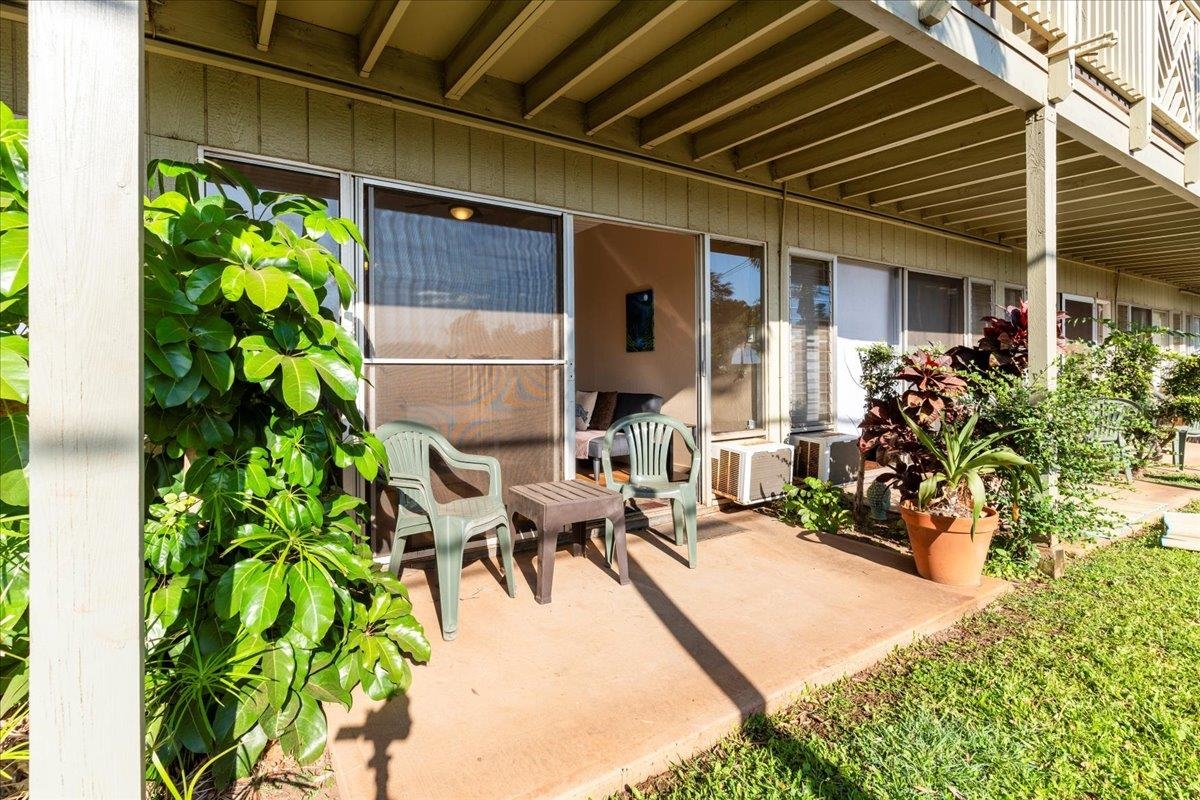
x=1086 y=687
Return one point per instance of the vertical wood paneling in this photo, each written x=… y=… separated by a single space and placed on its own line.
x=629 y=191
x=677 y=206
x=605 y=194
x=172 y=149
x=578 y=180
x=232 y=99
x=283 y=120
x=697 y=205
x=487 y=162
x=6 y=61
x=414 y=149
x=549 y=169
x=736 y=203
x=756 y=216
x=451 y=155
x=654 y=196
x=374 y=140
x=520 y=178
x=174 y=97
x=330 y=127
x=20 y=69
x=718 y=210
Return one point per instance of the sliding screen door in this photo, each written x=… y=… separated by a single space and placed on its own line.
x=736 y=326
x=867 y=303
x=810 y=311
x=464 y=329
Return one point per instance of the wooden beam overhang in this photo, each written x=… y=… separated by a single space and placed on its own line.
x=376 y=31
x=616 y=31
x=500 y=26
x=880 y=106
x=951 y=166
x=265 y=21
x=827 y=43
x=1011 y=230
x=974 y=107
x=891 y=63
x=732 y=32
x=936 y=146
x=1073 y=177
x=1148 y=233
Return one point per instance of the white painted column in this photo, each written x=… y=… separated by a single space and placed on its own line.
x=85 y=309
x=1041 y=181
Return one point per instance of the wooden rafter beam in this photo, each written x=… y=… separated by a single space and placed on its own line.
x=1120 y=207
x=888 y=65
x=963 y=110
x=1082 y=175
x=1188 y=244
x=613 y=33
x=828 y=42
x=1068 y=200
x=1166 y=211
x=950 y=165
x=1141 y=232
x=377 y=31
x=735 y=30
x=500 y=27
x=932 y=149
x=264 y=22
x=877 y=107
x=935 y=181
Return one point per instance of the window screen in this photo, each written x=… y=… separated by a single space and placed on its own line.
x=1013 y=295
x=736 y=325
x=810 y=306
x=1079 y=324
x=935 y=310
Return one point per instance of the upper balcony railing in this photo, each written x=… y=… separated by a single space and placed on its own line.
x=1154 y=58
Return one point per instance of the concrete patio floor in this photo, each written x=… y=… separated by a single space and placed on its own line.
x=610 y=684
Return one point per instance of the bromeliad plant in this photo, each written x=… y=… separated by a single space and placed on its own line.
x=957 y=488
x=262 y=599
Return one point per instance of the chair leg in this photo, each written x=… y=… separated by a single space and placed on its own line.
x=617 y=526
x=688 y=501
x=596 y=470
x=449 y=549
x=396 y=563
x=608 y=541
x=678 y=518
x=505 y=539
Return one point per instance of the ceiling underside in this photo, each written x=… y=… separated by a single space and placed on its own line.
x=757 y=90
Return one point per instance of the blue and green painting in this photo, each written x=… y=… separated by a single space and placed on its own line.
x=639 y=321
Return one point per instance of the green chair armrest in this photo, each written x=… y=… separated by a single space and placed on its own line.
x=460 y=460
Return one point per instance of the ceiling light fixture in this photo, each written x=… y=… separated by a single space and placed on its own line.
x=462 y=213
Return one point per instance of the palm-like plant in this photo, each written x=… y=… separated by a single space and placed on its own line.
x=963 y=463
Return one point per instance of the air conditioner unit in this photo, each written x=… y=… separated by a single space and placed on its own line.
x=829 y=456
x=751 y=473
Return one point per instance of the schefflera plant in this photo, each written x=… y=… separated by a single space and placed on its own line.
x=262 y=599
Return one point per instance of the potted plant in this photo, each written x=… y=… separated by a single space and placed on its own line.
x=949 y=523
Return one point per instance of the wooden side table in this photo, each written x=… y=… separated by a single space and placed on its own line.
x=553 y=506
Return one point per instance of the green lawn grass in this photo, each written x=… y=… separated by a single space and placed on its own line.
x=1088 y=687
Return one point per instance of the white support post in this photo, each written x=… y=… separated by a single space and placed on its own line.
x=85 y=309
x=1041 y=244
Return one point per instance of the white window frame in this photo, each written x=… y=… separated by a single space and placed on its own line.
x=1077 y=298
x=970 y=336
x=786 y=273
x=965 y=338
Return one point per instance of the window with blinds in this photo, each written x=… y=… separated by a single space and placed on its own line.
x=982 y=305
x=1178 y=342
x=1162 y=320
x=810 y=307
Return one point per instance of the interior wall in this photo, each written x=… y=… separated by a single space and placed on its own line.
x=610 y=262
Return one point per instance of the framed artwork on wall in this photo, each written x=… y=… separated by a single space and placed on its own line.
x=639 y=321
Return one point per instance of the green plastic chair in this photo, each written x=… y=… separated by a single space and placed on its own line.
x=650 y=476
x=1113 y=418
x=408 y=446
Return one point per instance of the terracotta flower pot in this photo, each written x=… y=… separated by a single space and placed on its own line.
x=943 y=547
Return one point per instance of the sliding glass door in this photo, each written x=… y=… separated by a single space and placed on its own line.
x=463 y=329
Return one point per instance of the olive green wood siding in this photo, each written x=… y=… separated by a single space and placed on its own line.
x=190 y=105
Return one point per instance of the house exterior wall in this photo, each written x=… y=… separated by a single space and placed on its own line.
x=190 y=104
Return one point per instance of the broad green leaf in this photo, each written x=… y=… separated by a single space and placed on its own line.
x=171 y=392
x=170 y=330
x=336 y=373
x=312 y=600
x=213 y=333
x=14 y=375
x=267 y=288
x=277 y=718
x=279 y=669
x=14 y=261
x=217 y=369
x=304 y=294
x=14 y=458
x=204 y=284
x=311 y=261
x=397 y=667
x=231 y=587
x=301 y=387
x=261 y=599
x=260 y=364
x=305 y=739
x=408 y=634
x=174 y=360
x=233 y=282
x=250 y=748
x=375 y=681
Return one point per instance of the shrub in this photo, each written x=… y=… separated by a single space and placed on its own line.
x=815 y=505
x=1181 y=384
x=262 y=597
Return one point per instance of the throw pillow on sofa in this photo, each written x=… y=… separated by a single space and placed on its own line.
x=585 y=403
x=602 y=414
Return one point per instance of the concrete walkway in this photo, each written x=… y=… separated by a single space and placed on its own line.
x=610 y=684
